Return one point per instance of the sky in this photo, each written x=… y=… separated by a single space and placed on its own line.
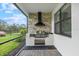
x=11 y=14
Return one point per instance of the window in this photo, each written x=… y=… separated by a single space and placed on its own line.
x=57 y=28
x=63 y=20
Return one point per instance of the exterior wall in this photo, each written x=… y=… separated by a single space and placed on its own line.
x=75 y=28
x=46 y=17
x=65 y=45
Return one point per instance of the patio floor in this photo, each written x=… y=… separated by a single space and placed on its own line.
x=39 y=51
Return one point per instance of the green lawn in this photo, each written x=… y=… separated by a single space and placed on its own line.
x=8 y=37
x=8 y=47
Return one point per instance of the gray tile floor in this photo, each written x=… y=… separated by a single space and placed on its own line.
x=39 y=52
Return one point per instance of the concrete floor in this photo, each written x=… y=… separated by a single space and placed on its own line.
x=39 y=51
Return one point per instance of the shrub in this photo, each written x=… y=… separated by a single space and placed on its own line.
x=20 y=39
x=23 y=31
x=2 y=33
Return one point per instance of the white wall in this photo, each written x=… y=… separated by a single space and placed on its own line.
x=65 y=45
x=75 y=28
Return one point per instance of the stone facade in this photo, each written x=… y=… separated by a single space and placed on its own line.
x=33 y=19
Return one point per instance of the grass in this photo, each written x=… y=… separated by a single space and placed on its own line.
x=8 y=37
x=8 y=47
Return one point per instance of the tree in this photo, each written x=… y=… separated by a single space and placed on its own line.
x=3 y=25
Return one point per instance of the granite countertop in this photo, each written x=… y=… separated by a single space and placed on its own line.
x=40 y=35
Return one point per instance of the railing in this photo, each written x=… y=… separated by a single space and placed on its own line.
x=10 y=40
x=20 y=39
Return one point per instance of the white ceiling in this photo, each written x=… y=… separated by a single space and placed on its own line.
x=36 y=7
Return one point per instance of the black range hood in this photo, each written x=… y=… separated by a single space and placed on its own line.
x=39 y=23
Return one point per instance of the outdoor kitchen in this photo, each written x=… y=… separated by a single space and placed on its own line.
x=39 y=29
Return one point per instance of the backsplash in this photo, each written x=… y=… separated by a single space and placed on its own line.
x=33 y=19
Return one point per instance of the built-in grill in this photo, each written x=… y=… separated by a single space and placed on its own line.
x=39 y=35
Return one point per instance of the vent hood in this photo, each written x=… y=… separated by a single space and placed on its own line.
x=39 y=23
